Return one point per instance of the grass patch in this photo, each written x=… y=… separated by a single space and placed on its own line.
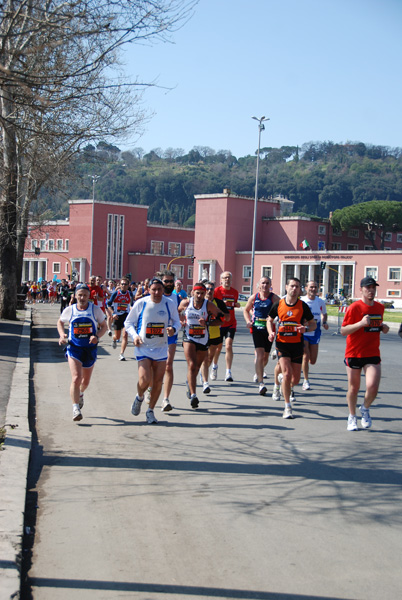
x=2 y=436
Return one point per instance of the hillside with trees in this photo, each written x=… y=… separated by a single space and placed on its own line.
x=319 y=177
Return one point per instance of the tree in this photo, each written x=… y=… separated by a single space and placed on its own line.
x=57 y=93
x=378 y=217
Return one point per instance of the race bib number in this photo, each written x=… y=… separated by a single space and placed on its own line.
x=153 y=330
x=260 y=323
x=375 y=324
x=196 y=331
x=229 y=301
x=288 y=329
x=82 y=330
x=122 y=307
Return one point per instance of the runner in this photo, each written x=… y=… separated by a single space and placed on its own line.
x=292 y=313
x=196 y=311
x=230 y=296
x=168 y=280
x=151 y=320
x=312 y=339
x=214 y=332
x=82 y=343
x=118 y=307
x=178 y=289
x=255 y=314
x=362 y=325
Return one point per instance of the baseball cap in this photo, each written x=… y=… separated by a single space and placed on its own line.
x=366 y=281
x=82 y=286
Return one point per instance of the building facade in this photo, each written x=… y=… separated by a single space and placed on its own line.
x=115 y=239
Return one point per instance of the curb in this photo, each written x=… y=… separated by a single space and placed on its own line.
x=14 y=462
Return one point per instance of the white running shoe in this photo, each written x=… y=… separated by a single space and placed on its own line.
x=366 y=419
x=263 y=390
x=265 y=375
x=228 y=376
x=150 y=417
x=81 y=402
x=276 y=394
x=352 y=423
x=148 y=395
x=205 y=387
x=194 y=401
x=255 y=378
x=109 y=332
x=287 y=413
x=114 y=344
x=274 y=354
x=136 y=406
x=280 y=377
x=292 y=396
x=166 y=406
x=306 y=385
x=77 y=416
x=214 y=373
x=122 y=357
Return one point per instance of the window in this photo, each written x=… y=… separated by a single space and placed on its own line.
x=336 y=231
x=157 y=247
x=266 y=272
x=67 y=267
x=399 y=238
x=353 y=233
x=368 y=247
x=190 y=272
x=246 y=271
x=245 y=290
x=393 y=293
x=66 y=245
x=371 y=272
x=322 y=230
x=394 y=273
x=56 y=267
x=353 y=247
x=174 y=249
x=50 y=245
x=189 y=290
x=34 y=244
x=42 y=245
x=178 y=270
x=336 y=246
x=59 y=244
x=189 y=250
x=163 y=267
x=387 y=248
x=388 y=237
x=321 y=245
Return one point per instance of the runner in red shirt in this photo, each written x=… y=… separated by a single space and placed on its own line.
x=229 y=296
x=362 y=325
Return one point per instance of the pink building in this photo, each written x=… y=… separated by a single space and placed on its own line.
x=107 y=239
x=114 y=239
x=223 y=240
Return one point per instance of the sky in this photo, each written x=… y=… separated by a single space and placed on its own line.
x=319 y=70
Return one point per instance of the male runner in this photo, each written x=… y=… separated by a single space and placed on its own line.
x=118 y=307
x=230 y=296
x=362 y=325
x=82 y=343
x=255 y=314
x=295 y=318
x=214 y=332
x=196 y=312
x=312 y=339
x=151 y=320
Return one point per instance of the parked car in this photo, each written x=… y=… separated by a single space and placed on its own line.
x=243 y=298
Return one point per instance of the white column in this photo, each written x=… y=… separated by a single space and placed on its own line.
x=212 y=270
x=297 y=271
x=325 y=282
x=341 y=275
x=311 y=272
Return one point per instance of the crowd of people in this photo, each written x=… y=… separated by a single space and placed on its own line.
x=153 y=312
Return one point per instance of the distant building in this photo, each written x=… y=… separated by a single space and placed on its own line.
x=107 y=239
x=223 y=241
x=116 y=239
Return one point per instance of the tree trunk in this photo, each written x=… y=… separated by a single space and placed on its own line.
x=8 y=214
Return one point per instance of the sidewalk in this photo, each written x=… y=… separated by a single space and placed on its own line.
x=14 y=458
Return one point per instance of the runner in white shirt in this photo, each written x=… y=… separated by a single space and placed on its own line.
x=312 y=339
x=151 y=320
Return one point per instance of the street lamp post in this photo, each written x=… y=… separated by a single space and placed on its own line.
x=261 y=127
x=94 y=180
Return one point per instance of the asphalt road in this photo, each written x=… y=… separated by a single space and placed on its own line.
x=229 y=501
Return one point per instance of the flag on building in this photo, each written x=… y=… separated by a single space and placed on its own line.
x=305 y=245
